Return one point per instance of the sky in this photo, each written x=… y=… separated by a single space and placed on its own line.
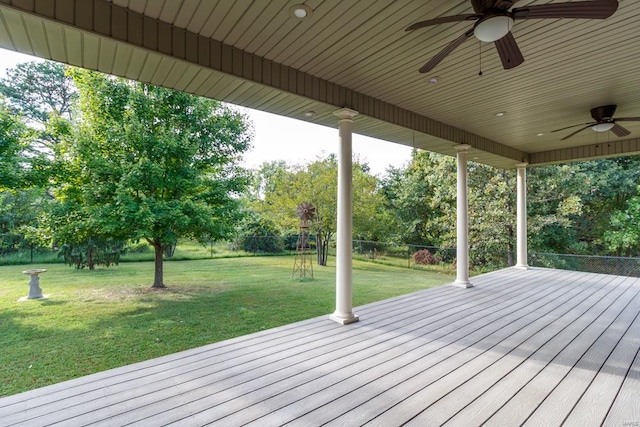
x=281 y=138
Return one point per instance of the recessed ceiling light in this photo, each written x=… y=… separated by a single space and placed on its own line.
x=300 y=11
x=500 y=114
x=433 y=80
x=540 y=134
x=309 y=113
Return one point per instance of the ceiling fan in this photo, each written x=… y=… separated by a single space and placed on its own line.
x=494 y=22
x=604 y=121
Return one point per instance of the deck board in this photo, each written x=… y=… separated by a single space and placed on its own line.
x=536 y=346
x=562 y=350
x=471 y=376
x=544 y=378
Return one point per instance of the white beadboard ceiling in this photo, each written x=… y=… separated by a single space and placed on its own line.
x=356 y=54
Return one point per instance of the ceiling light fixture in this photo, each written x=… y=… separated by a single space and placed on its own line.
x=500 y=114
x=540 y=134
x=493 y=28
x=300 y=11
x=309 y=113
x=602 y=127
x=434 y=80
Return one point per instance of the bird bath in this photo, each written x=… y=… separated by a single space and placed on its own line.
x=34 y=284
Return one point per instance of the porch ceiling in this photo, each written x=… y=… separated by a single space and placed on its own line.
x=356 y=54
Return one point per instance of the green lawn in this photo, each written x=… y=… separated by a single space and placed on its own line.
x=98 y=320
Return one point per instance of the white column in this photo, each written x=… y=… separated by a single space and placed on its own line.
x=344 y=289
x=462 y=209
x=521 y=233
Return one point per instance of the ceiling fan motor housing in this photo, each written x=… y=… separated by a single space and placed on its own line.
x=603 y=113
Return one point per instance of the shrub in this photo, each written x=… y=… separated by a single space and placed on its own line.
x=92 y=253
x=261 y=236
x=138 y=248
x=424 y=257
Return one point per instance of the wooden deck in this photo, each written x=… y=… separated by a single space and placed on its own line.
x=536 y=347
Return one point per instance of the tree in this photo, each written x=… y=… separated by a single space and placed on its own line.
x=150 y=163
x=317 y=182
x=492 y=216
x=422 y=200
x=34 y=90
x=604 y=185
x=623 y=237
x=44 y=95
x=260 y=235
x=555 y=204
x=39 y=97
x=13 y=147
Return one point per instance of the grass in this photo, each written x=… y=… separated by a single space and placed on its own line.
x=107 y=318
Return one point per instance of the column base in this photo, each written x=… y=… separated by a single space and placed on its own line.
x=344 y=320
x=462 y=284
x=521 y=266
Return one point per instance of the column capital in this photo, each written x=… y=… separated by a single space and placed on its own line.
x=461 y=147
x=345 y=113
x=522 y=165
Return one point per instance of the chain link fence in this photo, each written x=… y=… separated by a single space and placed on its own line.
x=16 y=246
x=15 y=249
x=405 y=255
x=621 y=266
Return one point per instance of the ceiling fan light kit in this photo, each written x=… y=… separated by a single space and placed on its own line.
x=602 y=127
x=493 y=28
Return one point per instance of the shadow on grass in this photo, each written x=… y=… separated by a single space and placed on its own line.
x=49 y=302
x=49 y=343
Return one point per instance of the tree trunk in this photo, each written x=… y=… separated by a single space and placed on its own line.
x=90 y=262
x=325 y=249
x=158 y=279
x=322 y=243
x=322 y=259
x=510 y=235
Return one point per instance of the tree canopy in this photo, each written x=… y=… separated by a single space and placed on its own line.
x=282 y=188
x=35 y=90
x=144 y=162
x=13 y=148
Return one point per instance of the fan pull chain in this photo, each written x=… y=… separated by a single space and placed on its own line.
x=480 y=56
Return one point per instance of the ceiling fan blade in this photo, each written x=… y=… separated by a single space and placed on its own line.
x=619 y=130
x=446 y=51
x=595 y=9
x=509 y=52
x=578 y=131
x=628 y=119
x=569 y=127
x=443 y=20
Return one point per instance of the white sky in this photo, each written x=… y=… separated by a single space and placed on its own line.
x=282 y=138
